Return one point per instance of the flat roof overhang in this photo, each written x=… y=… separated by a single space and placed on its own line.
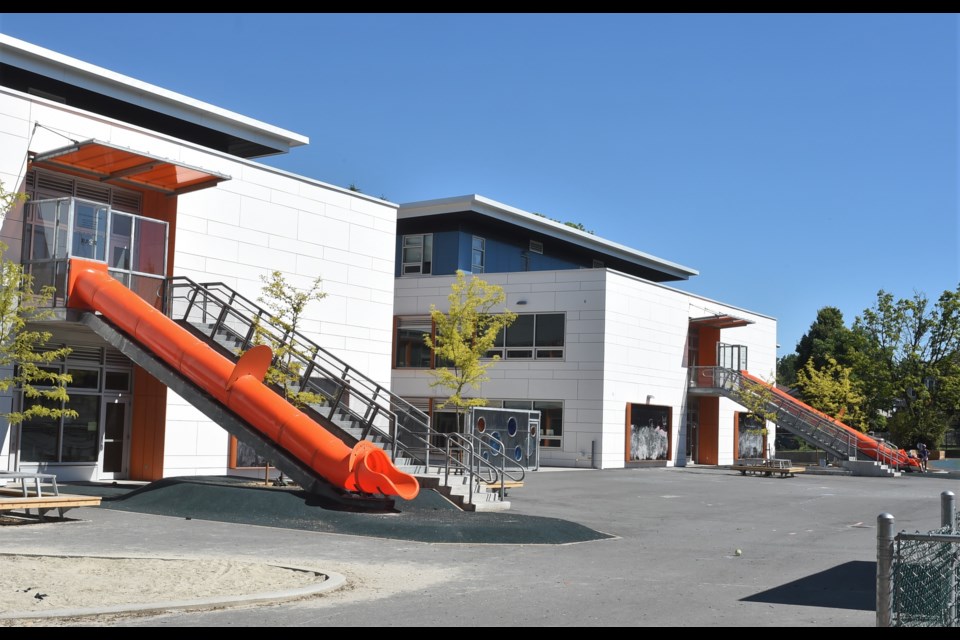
x=128 y=168
x=720 y=321
x=25 y=66
x=494 y=210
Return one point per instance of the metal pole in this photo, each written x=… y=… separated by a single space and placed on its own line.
x=948 y=519
x=884 y=569
x=948 y=511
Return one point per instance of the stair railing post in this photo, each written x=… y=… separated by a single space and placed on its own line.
x=885 y=542
x=470 y=457
x=446 y=465
x=393 y=436
x=503 y=461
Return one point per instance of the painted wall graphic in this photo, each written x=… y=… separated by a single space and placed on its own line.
x=512 y=431
x=751 y=436
x=649 y=432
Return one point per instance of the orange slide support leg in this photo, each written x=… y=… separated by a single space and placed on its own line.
x=365 y=468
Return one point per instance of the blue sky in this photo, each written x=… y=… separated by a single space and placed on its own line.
x=797 y=161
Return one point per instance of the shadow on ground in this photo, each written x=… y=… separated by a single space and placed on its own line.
x=852 y=585
x=427 y=518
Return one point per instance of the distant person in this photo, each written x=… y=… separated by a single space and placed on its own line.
x=924 y=454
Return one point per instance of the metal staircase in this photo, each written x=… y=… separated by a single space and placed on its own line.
x=354 y=407
x=813 y=427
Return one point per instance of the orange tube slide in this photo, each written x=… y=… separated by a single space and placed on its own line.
x=365 y=468
x=865 y=443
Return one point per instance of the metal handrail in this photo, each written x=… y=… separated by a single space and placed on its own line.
x=476 y=464
x=832 y=435
x=357 y=376
x=516 y=473
x=404 y=426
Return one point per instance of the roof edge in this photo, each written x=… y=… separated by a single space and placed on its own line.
x=500 y=211
x=92 y=77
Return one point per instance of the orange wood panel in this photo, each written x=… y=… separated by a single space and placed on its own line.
x=709 y=431
x=148 y=426
x=626 y=432
x=707 y=352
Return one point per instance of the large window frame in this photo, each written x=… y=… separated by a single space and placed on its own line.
x=535 y=336
x=416 y=254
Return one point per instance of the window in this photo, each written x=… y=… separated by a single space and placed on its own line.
x=411 y=351
x=477 y=255
x=417 y=254
x=75 y=439
x=537 y=336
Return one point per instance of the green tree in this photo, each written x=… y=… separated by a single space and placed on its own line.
x=25 y=357
x=828 y=337
x=832 y=390
x=286 y=305
x=787 y=371
x=574 y=225
x=908 y=360
x=464 y=335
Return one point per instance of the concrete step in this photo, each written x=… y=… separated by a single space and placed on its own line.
x=870 y=468
x=457 y=491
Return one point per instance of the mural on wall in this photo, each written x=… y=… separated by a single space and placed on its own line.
x=512 y=431
x=649 y=432
x=752 y=436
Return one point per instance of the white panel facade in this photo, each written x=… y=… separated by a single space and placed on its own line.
x=237 y=232
x=646 y=342
x=625 y=342
x=576 y=380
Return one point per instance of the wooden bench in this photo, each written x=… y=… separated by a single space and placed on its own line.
x=507 y=486
x=762 y=467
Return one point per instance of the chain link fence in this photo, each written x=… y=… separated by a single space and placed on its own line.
x=918 y=574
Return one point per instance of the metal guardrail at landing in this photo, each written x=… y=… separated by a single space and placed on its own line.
x=818 y=430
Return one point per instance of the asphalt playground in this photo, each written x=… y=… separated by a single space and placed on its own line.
x=678 y=547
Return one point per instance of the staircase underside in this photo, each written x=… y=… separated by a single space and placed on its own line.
x=235 y=426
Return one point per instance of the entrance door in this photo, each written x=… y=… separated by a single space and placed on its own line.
x=113 y=463
x=693 y=419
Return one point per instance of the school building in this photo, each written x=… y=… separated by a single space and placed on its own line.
x=167 y=192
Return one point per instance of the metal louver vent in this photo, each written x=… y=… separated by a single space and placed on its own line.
x=536 y=246
x=94 y=192
x=128 y=201
x=52 y=182
x=85 y=354
x=113 y=358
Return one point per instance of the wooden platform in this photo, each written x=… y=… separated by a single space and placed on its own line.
x=507 y=486
x=13 y=501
